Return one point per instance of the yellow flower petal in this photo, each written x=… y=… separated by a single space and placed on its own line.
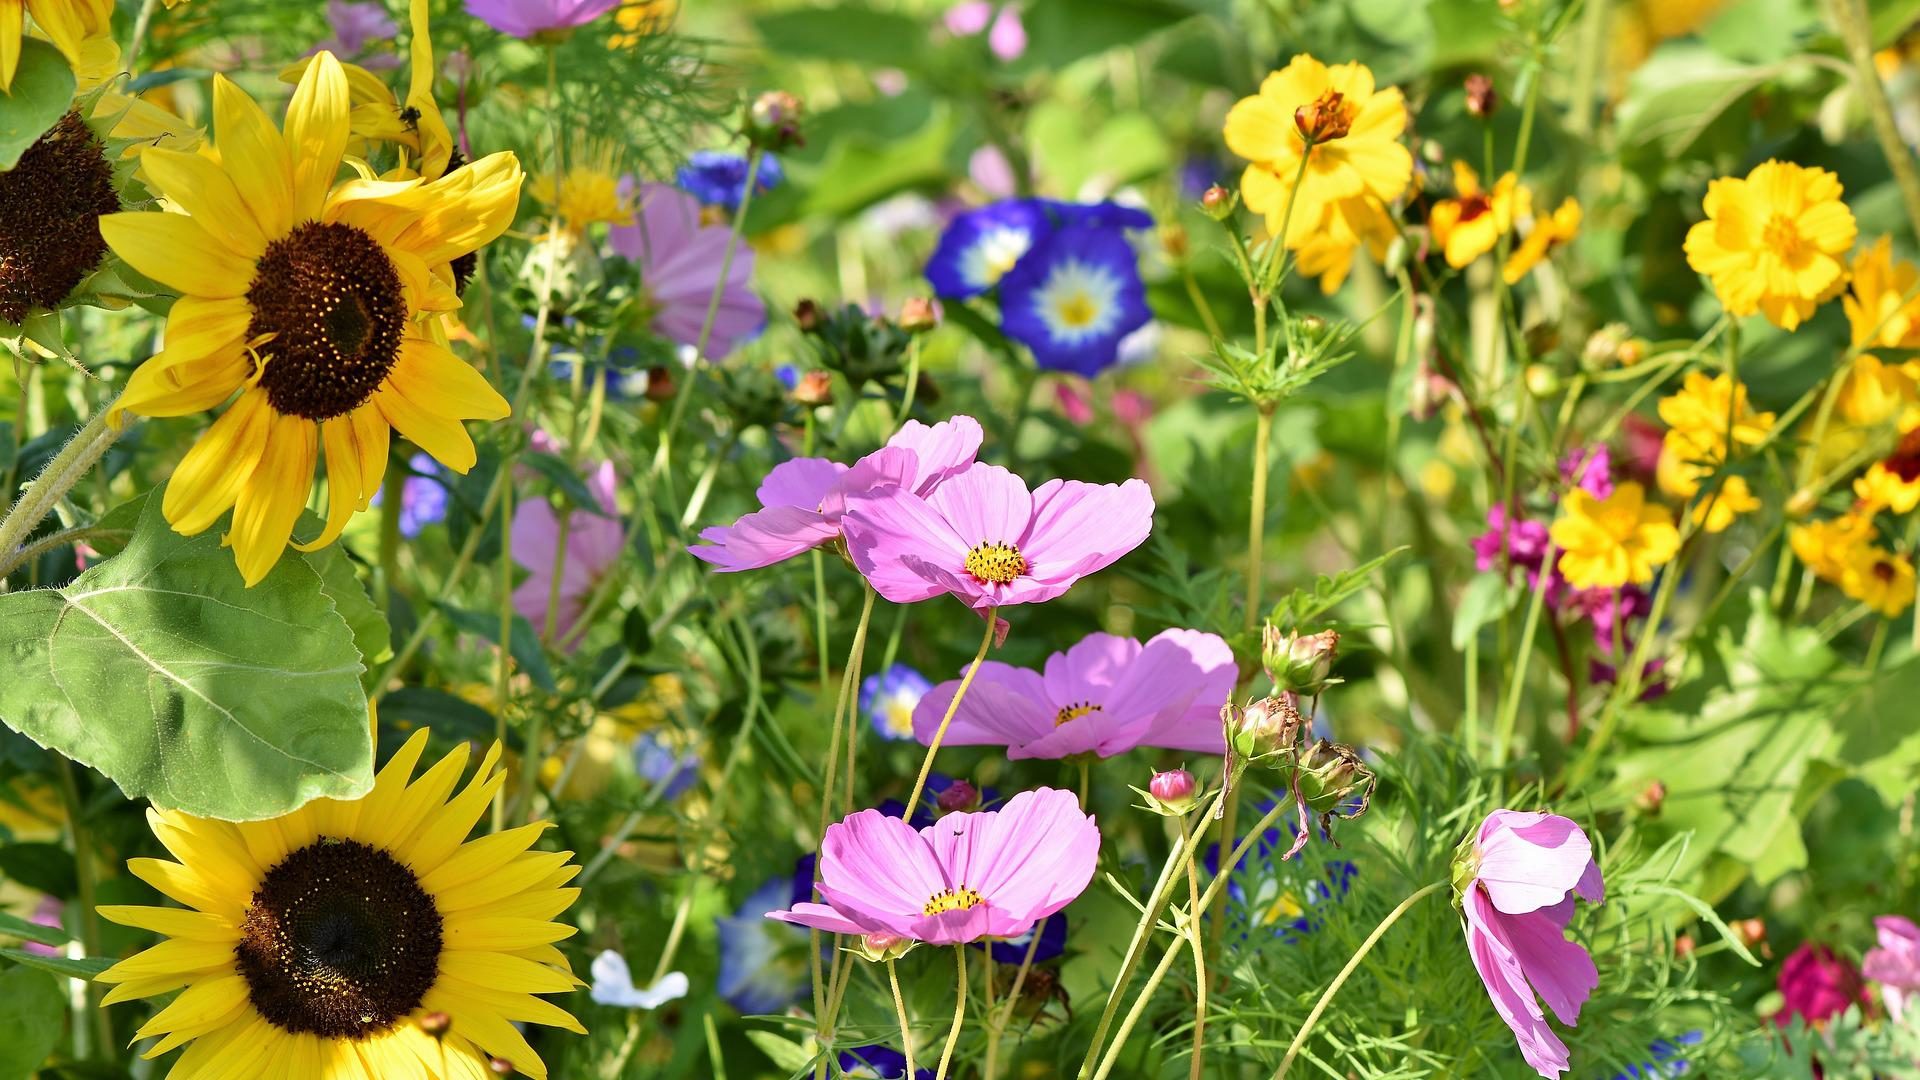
x=316 y=134
x=174 y=250
x=199 y=186
x=266 y=509
x=209 y=479
x=255 y=157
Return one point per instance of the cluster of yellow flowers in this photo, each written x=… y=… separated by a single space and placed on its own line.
x=1474 y=221
x=1704 y=420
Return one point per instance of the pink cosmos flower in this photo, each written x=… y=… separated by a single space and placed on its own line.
x=983 y=537
x=594 y=544
x=1895 y=965
x=1525 y=869
x=995 y=873
x=804 y=498
x=679 y=260
x=1817 y=985
x=1106 y=695
x=525 y=18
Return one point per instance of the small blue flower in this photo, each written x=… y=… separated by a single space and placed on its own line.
x=1053 y=942
x=1100 y=215
x=1074 y=297
x=763 y=963
x=878 y=1063
x=1666 y=1059
x=423 y=496
x=888 y=699
x=660 y=765
x=981 y=246
x=718 y=178
x=789 y=377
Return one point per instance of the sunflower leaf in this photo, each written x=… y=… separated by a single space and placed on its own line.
x=32 y=1015
x=41 y=93
x=160 y=669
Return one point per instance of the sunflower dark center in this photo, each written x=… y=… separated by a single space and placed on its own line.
x=340 y=941
x=50 y=207
x=331 y=299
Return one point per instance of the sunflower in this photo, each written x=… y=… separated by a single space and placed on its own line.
x=81 y=29
x=354 y=940
x=316 y=302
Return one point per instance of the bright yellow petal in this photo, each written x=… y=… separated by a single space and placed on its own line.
x=343 y=480
x=199 y=186
x=519 y=876
x=185 y=885
x=482 y=857
x=448 y=827
x=504 y=935
x=13 y=18
x=425 y=371
x=255 y=156
x=266 y=509
x=209 y=479
x=174 y=250
x=173 y=922
x=317 y=130
x=172 y=385
x=442 y=437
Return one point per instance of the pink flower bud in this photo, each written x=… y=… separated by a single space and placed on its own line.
x=959 y=795
x=1171 y=786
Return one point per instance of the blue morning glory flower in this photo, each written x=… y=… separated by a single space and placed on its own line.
x=1074 y=297
x=663 y=767
x=888 y=698
x=878 y=1063
x=1053 y=942
x=763 y=963
x=718 y=178
x=1100 y=215
x=423 y=496
x=980 y=246
x=1666 y=1059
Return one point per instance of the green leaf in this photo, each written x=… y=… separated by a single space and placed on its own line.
x=1679 y=93
x=1304 y=605
x=1062 y=31
x=566 y=478
x=1891 y=18
x=32 y=1019
x=372 y=637
x=160 y=669
x=1485 y=599
x=525 y=644
x=84 y=969
x=785 y=1054
x=41 y=94
x=15 y=927
x=40 y=865
x=862 y=170
x=843 y=32
x=1705 y=911
x=1879 y=739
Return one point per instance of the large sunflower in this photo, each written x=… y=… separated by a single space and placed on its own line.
x=362 y=940
x=317 y=302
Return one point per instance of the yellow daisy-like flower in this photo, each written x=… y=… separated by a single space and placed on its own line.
x=1469 y=226
x=1829 y=547
x=1894 y=482
x=1557 y=228
x=589 y=192
x=1607 y=543
x=416 y=124
x=1347 y=131
x=320 y=945
x=81 y=29
x=1774 y=242
x=1874 y=396
x=639 y=19
x=1349 y=226
x=1715 y=512
x=1879 y=579
x=1697 y=417
x=315 y=302
x=1883 y=299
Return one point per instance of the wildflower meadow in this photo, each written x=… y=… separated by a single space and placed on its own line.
x=959 y=539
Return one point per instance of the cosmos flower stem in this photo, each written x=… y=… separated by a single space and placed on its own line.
x=503 y=658
x=67 y=469
x=1199 y=956
x=140 y=24
x=703 y=487
x=906 y=1027
x=933 y=748
x=821 y=635
x=828 y=986
x=1517 y=678
x=1257 y=514
x=1855 y=28
x=1353 y=964
x=959 y=1005
x=913 y=384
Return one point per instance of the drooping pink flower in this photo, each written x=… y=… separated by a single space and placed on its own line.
x=595 y=540
x=1523 y=871
x=983 y=537
x=680 y=260
x=1895 y=964
x=1105 y=695
x=525 y=18
x=1817 y=985
x=994 y=873
x=804 y=498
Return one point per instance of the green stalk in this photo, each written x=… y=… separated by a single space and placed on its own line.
x=67 y=469
x=959 y=1012
x=1257 y=514
x=906 y=1028
x=1199 y=959
x=1851 y=20
x=81 y=841
x=940 y=733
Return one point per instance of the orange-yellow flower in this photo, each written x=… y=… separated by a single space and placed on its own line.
x=1879 y=579
x=1549 y=232
x=1717 y=511
x=1883 y=299
x=1469 y=225
x=1829 y=547
x=1607 y=543
x=1697 y=419
x=1350 y=225
x=1894 y=482
x=1774 y=242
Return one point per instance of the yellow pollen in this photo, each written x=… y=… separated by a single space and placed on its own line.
x=1075 y=711
x=996 y=563
x=1781 y=236
x=952 y=900
x=1078 y=310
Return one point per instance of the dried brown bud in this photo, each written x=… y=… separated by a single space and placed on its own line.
x=1328 y=117
x=814 y=389
x=959 y=795
x=1481 y=99
x=918 y=315
x=1296 y=662
x=808 y=316
x=660 y=384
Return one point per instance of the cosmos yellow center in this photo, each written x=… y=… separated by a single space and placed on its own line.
x=952 y=900
x=996 y=563
x=1781 y=236
x=1074 y=712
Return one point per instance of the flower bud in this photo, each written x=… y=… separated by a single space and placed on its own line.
x=1170 y=794
x=1683 y=946
x=1603 y=346
x=1651 y=799
x=1263 y=730
x=1328 y=117
x=815 y=388
x=958 y=795
x=1218 y=203
x=1631 y=352
x=808 y=316
x=659 y=383
x=881 y=946
x=1751 y=932
x=773 y=121
x=918 y=315
x=1542 y=381
x=1481 y=99
x=500 y=1066
x=436 y=1024
x=1296 y=663
x=1801 y=503
x=1332 y=776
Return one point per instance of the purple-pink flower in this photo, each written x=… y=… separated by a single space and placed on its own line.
x=1522 y=872
x=680 y=260
x=1895 y=964
x=594 y=540
x=803 y=499
x=357 y=24
x=994 y=873
x=1817 y=984
x=1589 y=468
x=1522 y=543
x=1105 y=695
x=525 y=18
x=987 y=540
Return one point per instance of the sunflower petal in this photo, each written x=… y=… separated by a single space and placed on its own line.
x=266 y=509
x=209 y=479
x=317 y=130
x=174 y=250
x=255 y=156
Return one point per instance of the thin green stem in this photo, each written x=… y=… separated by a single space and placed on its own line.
x=67 y=469
x=913 y=383
x=81 y=841
x=1005 y=1017
x=1855 y=26
x=1510 y=712
x=1257 y=515
x=959 y=1012
x=1199 y=959
x=906 y=1028
x=940 y=733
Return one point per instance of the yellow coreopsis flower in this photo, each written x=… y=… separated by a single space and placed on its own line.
x=1883 y=299
x=1828 y=547
x=1607 y=543
x=315 y=302
x=81 y=29
x=1715 y=512
x=1894 y=482
x=1879 y=579
x=639 y=19
x=1469 y=225
x=1698 y=421
x=1346 y=130
x=1549 y=232
x=354 y=939
x=1873 y=396
x=1350 y=225
x=1774 y=242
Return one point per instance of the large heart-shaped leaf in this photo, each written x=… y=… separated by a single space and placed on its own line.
x=41 y=93
x=160 y=669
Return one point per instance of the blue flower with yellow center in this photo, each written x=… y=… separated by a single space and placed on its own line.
x=878 y=1063
x=1074 y=297
x=981 y=246
x=888 y=699
x=1666 y=1060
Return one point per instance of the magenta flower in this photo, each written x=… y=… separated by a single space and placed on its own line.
x=525 y=18
x=1895 y=965
x=1105 y=696
x=1522 y=543
x=595 y=541
x=804 y=499
x=1589 y=468
x=1817 y=984
x=983 y=537
x=995 y=873
x=1522 y=872
x=679 y=260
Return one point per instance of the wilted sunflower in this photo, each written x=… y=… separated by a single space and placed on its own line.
x=317 y=302
x=361 y=940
